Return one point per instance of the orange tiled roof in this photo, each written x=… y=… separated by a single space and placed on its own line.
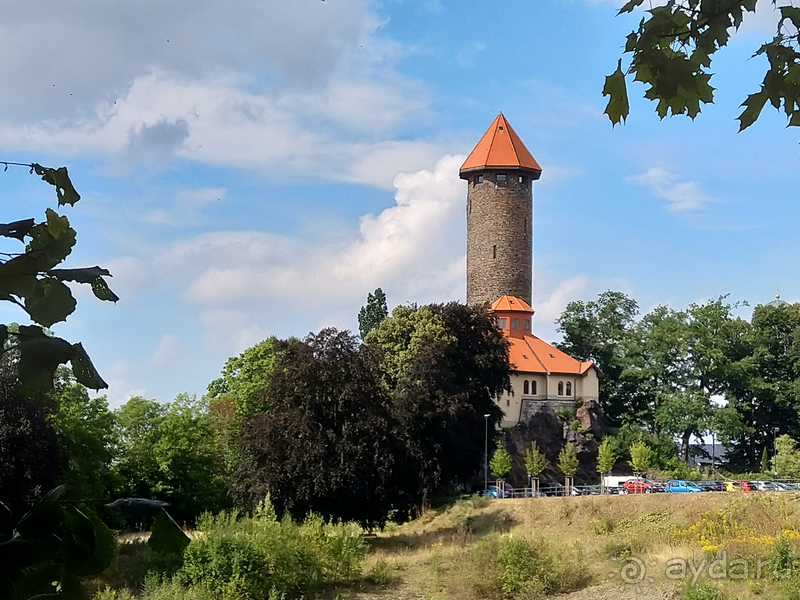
x=511 y=303
x=529 y=354
x=500 y=147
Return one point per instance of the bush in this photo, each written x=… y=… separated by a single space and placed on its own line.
x=250 y=558
x=565 y=414
x=134 y=561
x=517 y=567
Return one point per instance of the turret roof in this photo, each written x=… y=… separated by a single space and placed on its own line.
x=512 y=303
x=501 y=148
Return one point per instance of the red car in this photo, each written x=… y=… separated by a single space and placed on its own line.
x=637 y=485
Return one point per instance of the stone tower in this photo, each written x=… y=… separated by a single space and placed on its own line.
x=500 y=173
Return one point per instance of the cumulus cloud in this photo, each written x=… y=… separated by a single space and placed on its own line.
x=295 y=86
x=681 y=195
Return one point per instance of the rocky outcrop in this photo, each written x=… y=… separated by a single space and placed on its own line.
x=550 y=426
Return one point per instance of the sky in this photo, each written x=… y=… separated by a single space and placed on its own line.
x=257 y=168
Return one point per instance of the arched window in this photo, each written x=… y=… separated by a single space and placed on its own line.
x=525 y=387
x=569 y=388
x=560 y=388
x=533 y=387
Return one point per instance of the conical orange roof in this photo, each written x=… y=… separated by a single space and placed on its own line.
x=501 y=148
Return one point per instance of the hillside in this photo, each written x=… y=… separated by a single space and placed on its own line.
x=713 y=545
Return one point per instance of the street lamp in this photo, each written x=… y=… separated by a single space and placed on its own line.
x=486 y=456
x=775 y=453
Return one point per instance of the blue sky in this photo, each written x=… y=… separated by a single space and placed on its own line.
x=258 y=168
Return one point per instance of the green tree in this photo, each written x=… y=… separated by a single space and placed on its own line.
x=787 y=458
x=535 y=461
x=597 y=330
x=86 y=429
x=641 y=455
x=764 y=461
x=606 y=457
x=443 y=366
x=371 y=315
x=500 y=464
x=245 y=376
x=329 y=441
x=167 y=452
x=672 y=50
x=567 y=461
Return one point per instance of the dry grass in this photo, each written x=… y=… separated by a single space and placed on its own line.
x=435 y=556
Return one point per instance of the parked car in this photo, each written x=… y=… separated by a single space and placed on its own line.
x=680 y=486
x=505 y=492
x=637 y=485
x=738 y=486
x=711 y=486
x=765 y=486
x=785 y=486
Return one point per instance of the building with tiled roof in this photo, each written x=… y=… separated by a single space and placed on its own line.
x=542 y=375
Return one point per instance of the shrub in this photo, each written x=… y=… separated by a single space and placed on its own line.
x=565 y=414
x=379 y=573
x=517 y=567
x=249 y=558
x=109 y=594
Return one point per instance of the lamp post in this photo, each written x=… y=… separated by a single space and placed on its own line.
x=486 y=455
x=775 y=453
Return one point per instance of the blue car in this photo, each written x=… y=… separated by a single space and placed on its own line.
x=679 y=486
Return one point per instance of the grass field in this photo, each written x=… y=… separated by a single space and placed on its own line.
x=695 y=546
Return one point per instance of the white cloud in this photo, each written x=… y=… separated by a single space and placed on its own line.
x=681 y=195
x=465 y=57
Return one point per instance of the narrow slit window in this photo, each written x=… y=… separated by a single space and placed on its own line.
x=494 y=251
x=560 y=388
x=522 y=178
x=569 y=388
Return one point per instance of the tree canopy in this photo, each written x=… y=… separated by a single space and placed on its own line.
x=371 y=314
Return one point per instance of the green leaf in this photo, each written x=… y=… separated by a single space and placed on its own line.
x=17 y=229
x=792 y=13
x=101 y=555
x=58 y=178
x=81 y=529
x=753 y=106
x=49 y=302
x=166 y=537
x=615 y=88
x=90 y=275
x=629 y=6
x=52 y=241
x=83 y=369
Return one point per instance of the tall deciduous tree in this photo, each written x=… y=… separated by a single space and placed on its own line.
x=672 y=49
x=371 y=314
x=443 y=365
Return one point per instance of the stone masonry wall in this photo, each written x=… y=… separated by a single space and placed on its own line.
x=499 y=237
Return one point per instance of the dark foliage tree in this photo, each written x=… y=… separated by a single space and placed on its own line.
x=371 y=315
x=29 y=452
x=328 y=442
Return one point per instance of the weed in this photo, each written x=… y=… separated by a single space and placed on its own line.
x=704 y=591
x=603 y=525
x=380 y=574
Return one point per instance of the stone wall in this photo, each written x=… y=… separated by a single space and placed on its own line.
x=499 y=237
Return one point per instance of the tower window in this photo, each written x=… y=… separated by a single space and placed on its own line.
x=501 y=178
x=502 y=323
x=479 y=178
x=522 y=178
x=569 y=388
x=514 y=323
x=526 y=324
x=525 y=387
x=560 y=388
x=533 y=387
x=494 y=251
